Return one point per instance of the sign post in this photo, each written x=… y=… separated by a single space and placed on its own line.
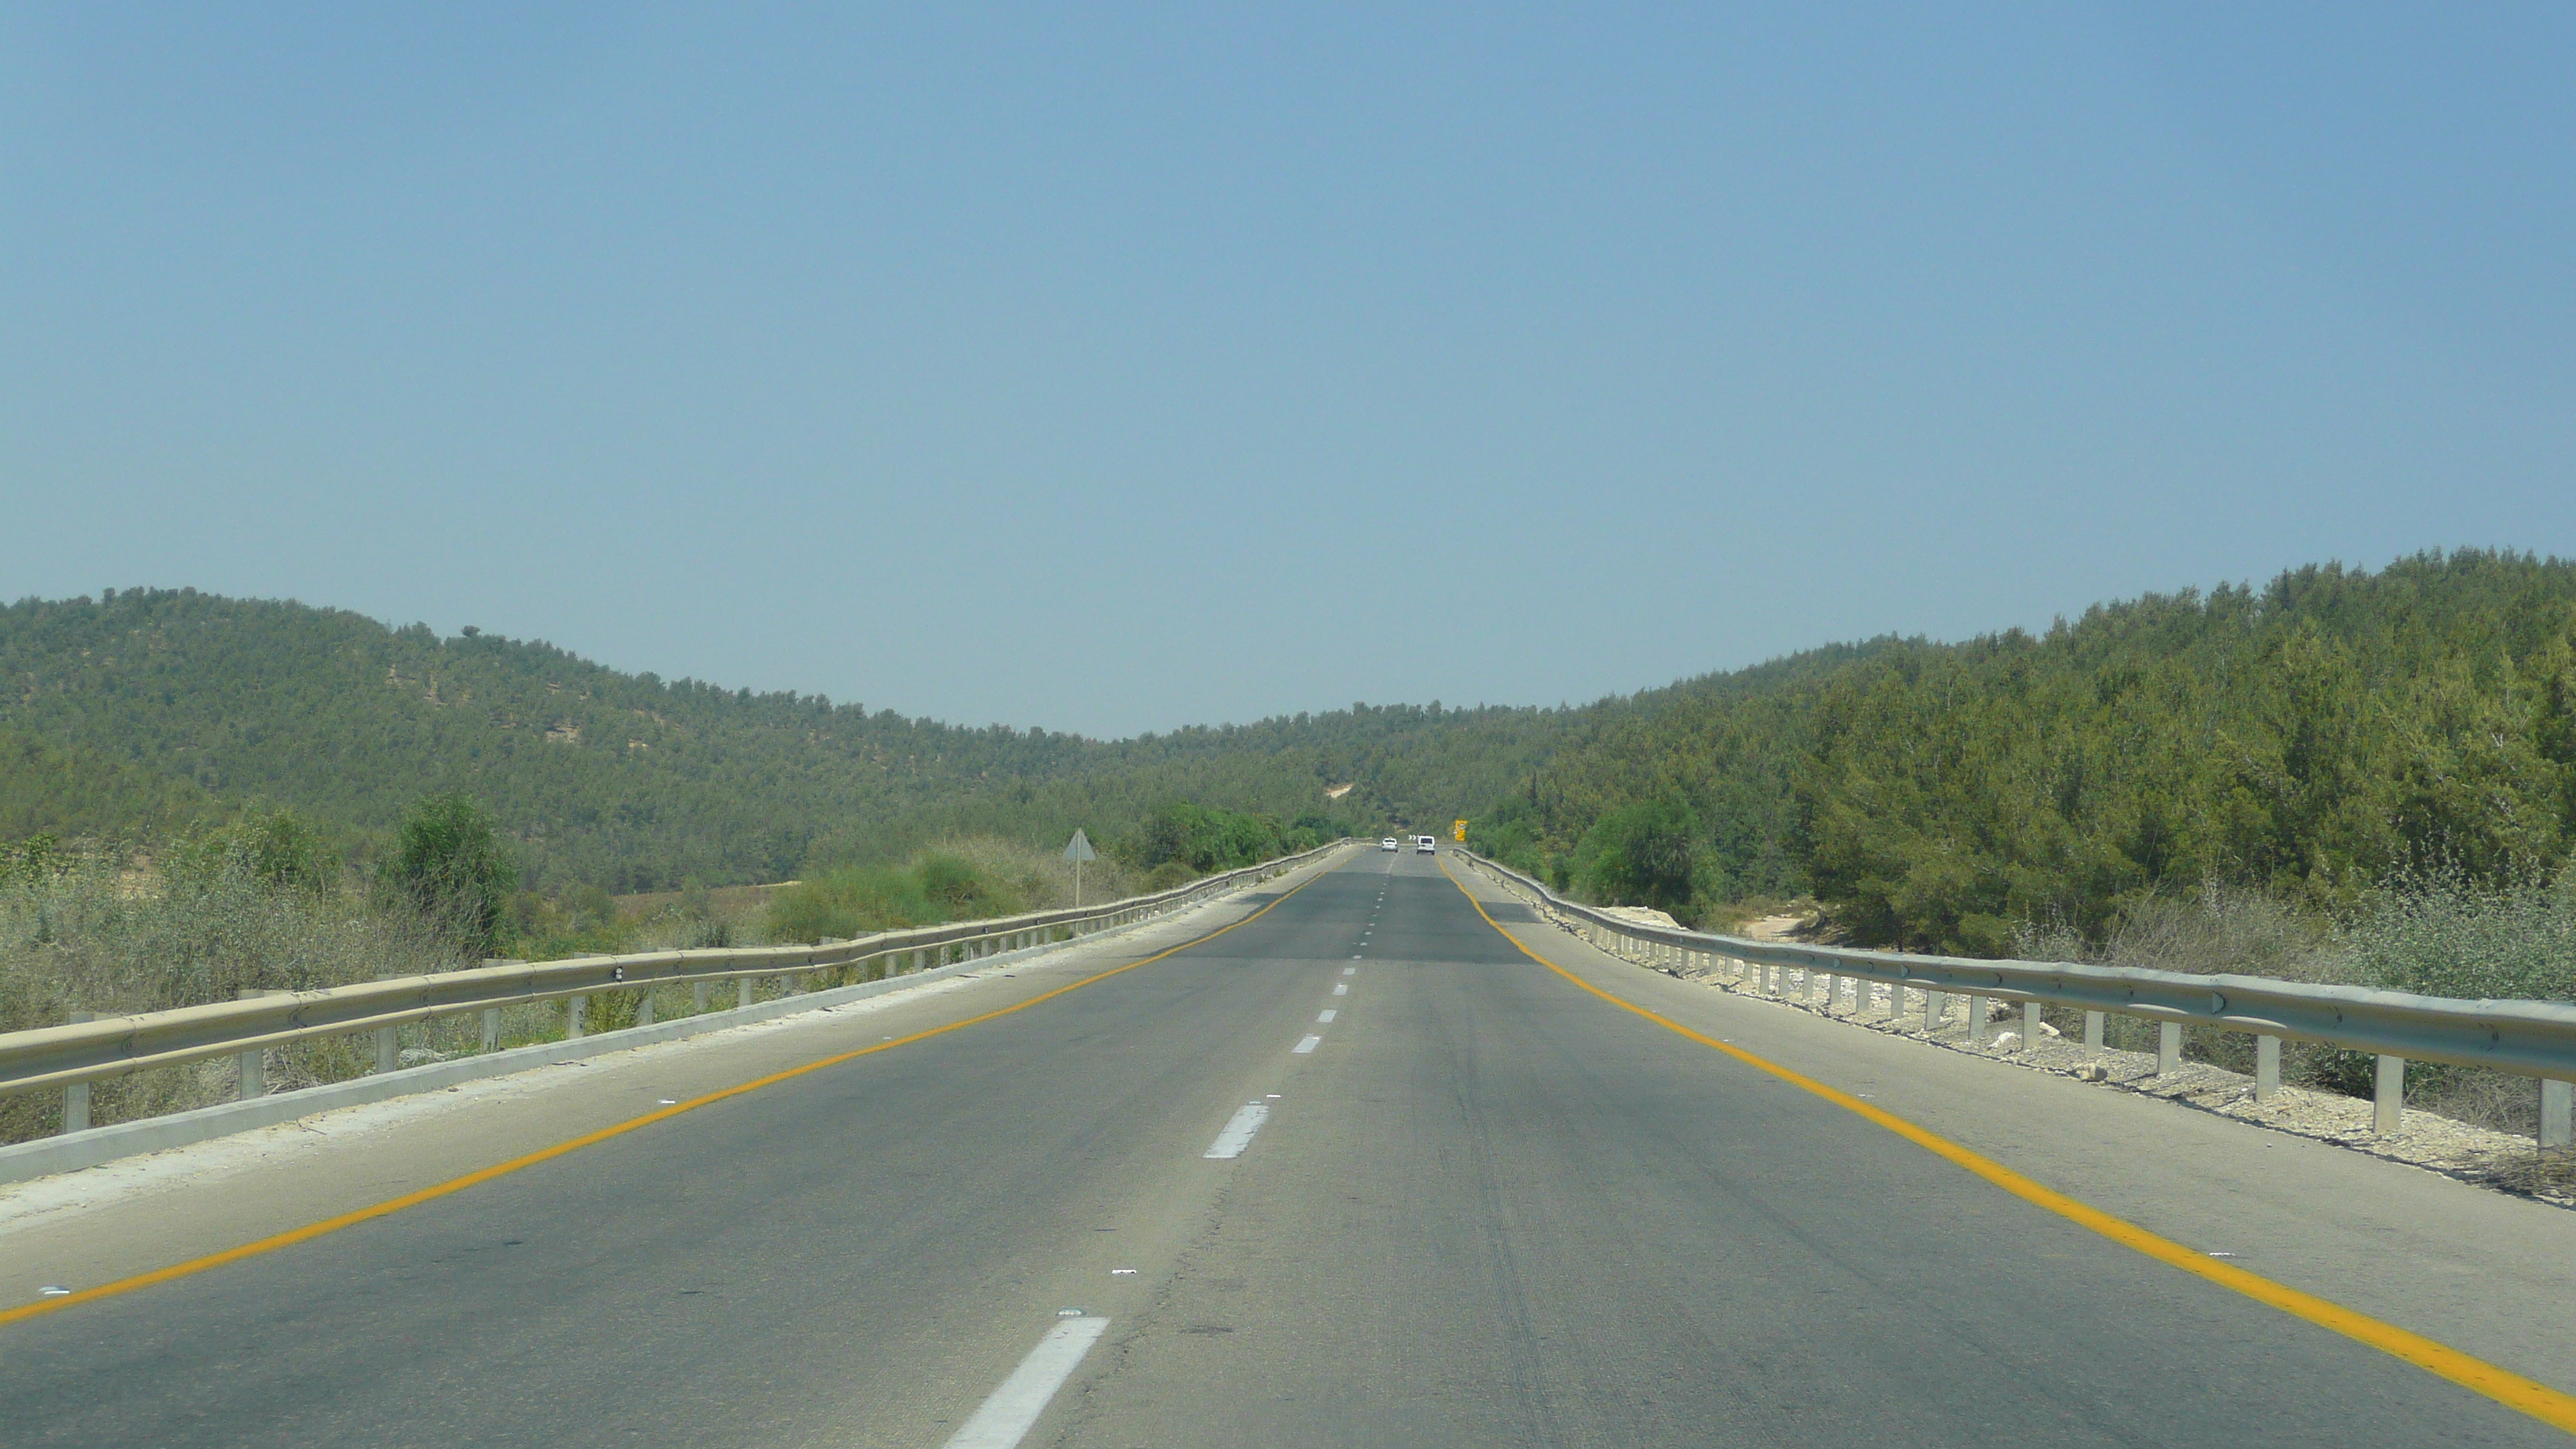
x=1078 y=850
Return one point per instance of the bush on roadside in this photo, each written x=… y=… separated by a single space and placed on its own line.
x=958 y=881
x=451 y=866
x=2443 y=934
x=277 y=848
x=1644 y=854
x=1204 y=838
x=100 y=932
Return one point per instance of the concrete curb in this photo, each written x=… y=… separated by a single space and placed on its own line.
x=72 y=1151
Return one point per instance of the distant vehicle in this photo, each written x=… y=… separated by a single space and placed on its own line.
x=1387 y=844
x=1425 y=844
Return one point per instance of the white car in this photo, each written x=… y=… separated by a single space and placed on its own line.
x=1425 y=844
x=1387 y=844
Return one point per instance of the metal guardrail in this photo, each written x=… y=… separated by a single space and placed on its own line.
x=2532 y=1038
x=72 y=1056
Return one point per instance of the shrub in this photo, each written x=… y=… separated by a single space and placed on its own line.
x=934 y=886
x=449 y=863
x=1203 y=838
x=93 y=932
x=277 y=849
x=1644 y=854
x=2440 y=934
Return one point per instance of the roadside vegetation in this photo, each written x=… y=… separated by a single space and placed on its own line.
x=2361 y=776
x=267 y=902
x=958 y=880
x=2439 y=934
x=247 y=908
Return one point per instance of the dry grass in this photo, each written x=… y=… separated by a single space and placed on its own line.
x=2437 y=938
x=109 y=935
x=102 y=937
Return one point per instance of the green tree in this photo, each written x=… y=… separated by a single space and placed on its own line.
x=451 y=864
x=1644 y=854
x=279 y=849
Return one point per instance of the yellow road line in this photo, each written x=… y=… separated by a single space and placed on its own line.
x=2506 y=1387
x=391 y=1206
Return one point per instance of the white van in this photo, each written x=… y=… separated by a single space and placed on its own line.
x=1425 y=844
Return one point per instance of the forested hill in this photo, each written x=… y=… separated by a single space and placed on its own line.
x=145 y=711
x=2308 y=738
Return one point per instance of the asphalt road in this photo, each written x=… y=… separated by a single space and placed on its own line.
x=1483 y=1209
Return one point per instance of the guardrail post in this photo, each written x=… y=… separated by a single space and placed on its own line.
x=76 y=1096
x=2092 y=1031
x=698 y=997
x=2267 y=1067
x=491 y=1028
x=2030 y=1026
x=644 y=1007
x=2168 y=1048
x=2556 y=1128
x=1976 y=1020
x=574 y=1010
x=2388 y=1099
x=388 y=1049
x=254 y=1063
x=741 y=992
x=1936 y=1010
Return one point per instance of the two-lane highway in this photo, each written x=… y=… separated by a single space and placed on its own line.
x=1479 y=1207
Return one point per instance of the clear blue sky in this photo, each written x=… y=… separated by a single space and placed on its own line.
x=1115 y=370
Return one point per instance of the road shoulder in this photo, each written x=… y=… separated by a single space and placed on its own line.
x=2489 y=1274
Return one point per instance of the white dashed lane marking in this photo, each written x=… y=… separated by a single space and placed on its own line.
x=1006 y=1417
x=1238 y=1132
x=1307 y=1044
x=1324 y=1020
x=1341 y=988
